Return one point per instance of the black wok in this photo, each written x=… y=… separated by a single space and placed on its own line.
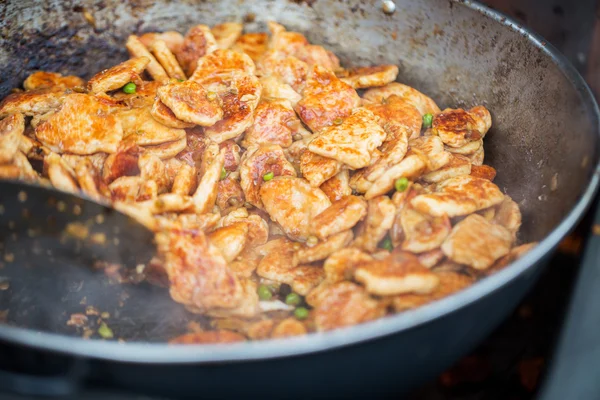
x=544 y=144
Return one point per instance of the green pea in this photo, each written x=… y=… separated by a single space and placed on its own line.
x=105 y=331
x=427 y=120
x=387 y=244
x=401 y=184
x=268 y=176
x=130 y=88
x=301 y=313
x=264 y=293
x=223 y=173
x=292 y=299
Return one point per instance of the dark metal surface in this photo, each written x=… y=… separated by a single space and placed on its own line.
x=544 y=145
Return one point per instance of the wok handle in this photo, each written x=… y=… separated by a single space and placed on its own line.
x=574 y=372
x=44 y=385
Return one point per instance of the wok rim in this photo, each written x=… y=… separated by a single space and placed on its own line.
x=163 y=353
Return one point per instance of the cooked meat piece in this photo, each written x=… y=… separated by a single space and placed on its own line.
x=254 y=44
x=337 y=186
x=60 y=174
x=287 y=328
x=167 y=59
x=210 y=173
x=396 y=113
x=258 y=230
x=32 y=102
x=26 y=171
x=365 y=77
x=260 y=162
x=11 y=131
x=185 y=180
x=422 y=232
x=458 y=165
x=260 y=330
x=430 y=259
x=248 y=308
x=293 y=203
x=152 y=168
x=283 y=40
x=476 y=242
x=322 y=250
x=458 y=196
x=44 y=80
x=198 y=273
x=230 y=240
x=167 y=150
x=195 y=146
x=513 y=255
x=468 y=149
x=275 y=122
x=166 y=202
x=122 y=163
x=352 y=141
x=380 y=217
x=140 y=127
x=137 y=49
x=222 y=60
x=341 y=264
x=424 y=104
x=89 y=180
x=198 y=42
x=317 y=169
x=208 y=337
x=483 y=171
x=118 y=76
x=191 y=102
x=227 y=33
x=125 y=188
x=204 y=222
x=477 y=157
x=273 y=87
x=343 y=214
x=163 y=114
x=432 y=150
x=9 y=171
x=450 y=282
x=229 y=194
x=174 y=40
x=288 y=69
x=239 y=94
x=458 y=127
x=509 y=216
x=345 y=304
x=83 y=125
x=326 y=99
x=317 y=55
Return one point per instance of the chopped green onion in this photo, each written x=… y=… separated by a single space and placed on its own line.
x=180 y=80
x=292 y=299
x=338 y=121
x=401 y=184
x=387 y=244
x=264 y=293
x=130 y=88
x=105 y=331
x=268 y=176
x=223 y=173
x=427 y=120
x=301 y=313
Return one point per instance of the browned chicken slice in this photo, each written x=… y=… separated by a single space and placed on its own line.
x=198 y=273
x=44 y=80
x=144 y=96
x=31 y=102
x=340 y=265
x=253 y=43
x=458 y=165
x=191 y=102
x=60 y=174
x=288 y=69
x=325 y=99
x=345 y=304
x=229 y=195
x=287 y=328
x=118 y=76
x=239 y=94
x=163 y=114
x=293 y=204
x=122 y=163
x=350 y=142
x=137 y=49
x=232 y=156
x=430 y=259
x=167 y=150
x=185 y=180
x=167 y=59
x=477 y=157
x=476 y=242
x=230 y=240
x=222 y=60
x=450 y=282
x=509 y=216
x=284 y=40
x=82 y=125
x=317 y=169
x=458 y=196
x=152 y=168
x=379 y=219
x=173 y=39
x=141 y=128
x=458 y=127
x=422 y=232
x=208 y=337
x=513 y=255
x=11 y=131
x=396 y=113
x=337 y=186
x=324 y=249
x=424 y=104
x=365 y=77
x=210 y=172
x=227 y=33
x=273 y=87
x=198 y=42
x=258 y=165
x=342 y=215
x=258 y=229
x=468 y=149
x=483 y=171
x=275 y=122
x=313 y=55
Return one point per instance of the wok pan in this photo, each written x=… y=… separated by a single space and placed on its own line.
x=544 y=144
